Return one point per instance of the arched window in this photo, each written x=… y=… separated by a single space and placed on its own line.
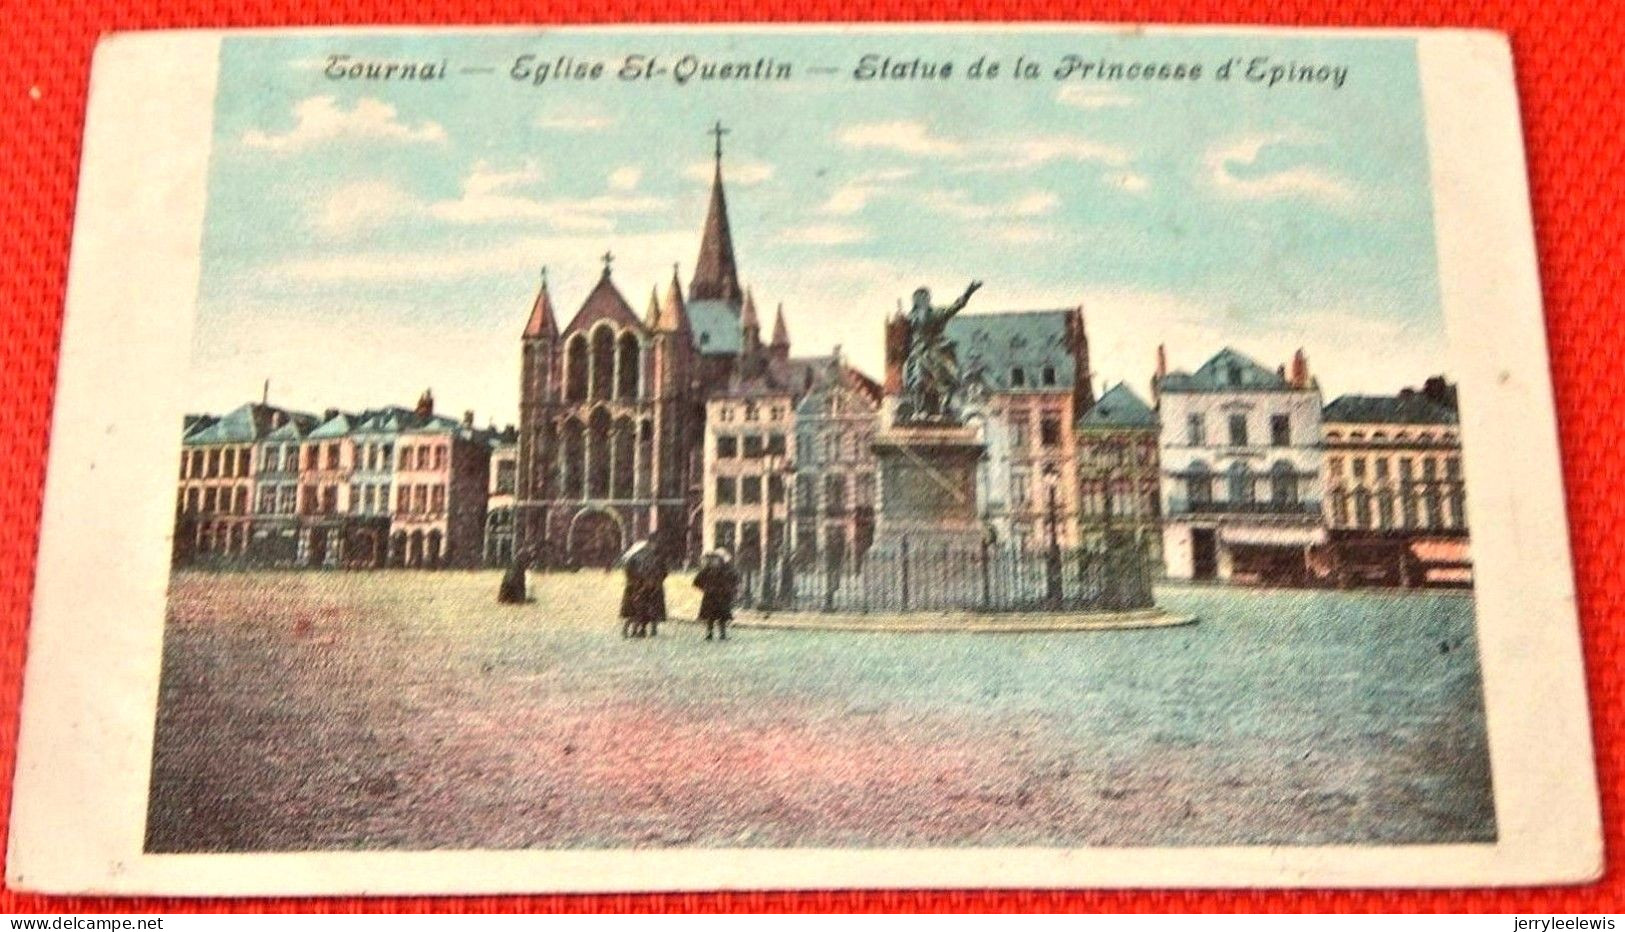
x=603 y=362
x=628 y=376
x=1283 y=484
x=1199 y=484
x=598 y=453
x=646 y=434
x=1241 y=484
x=1362 y=508
x=575 y=368
x=572 y=460
x=622 y=453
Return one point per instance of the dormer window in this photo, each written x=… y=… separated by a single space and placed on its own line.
x=1234 y=374
x=1049 y=375
x=1018 y=378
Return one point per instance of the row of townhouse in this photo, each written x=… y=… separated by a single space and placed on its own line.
x=390 y=486
x=1263 y=484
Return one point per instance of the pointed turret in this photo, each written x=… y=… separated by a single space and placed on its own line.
x=779 y=348
x=542 y=322
x=651 y=317
x=750 y=328
x=673 y=316
x=716 y=278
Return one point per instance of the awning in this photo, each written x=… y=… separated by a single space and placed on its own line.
x=1273 y=536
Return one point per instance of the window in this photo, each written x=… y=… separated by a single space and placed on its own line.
x=1238 y=430
x=383 y=497
x=775 y=489
x=1362 y=508
x=287 y=500
x=330 y=500
x=191 y=499
x=272 y=461
x=268 y=500
x=420 y=499
x=437 y=498
x=727 y=490
x=1340 y=508
x=1385 y=509
x=332 y=456
x=1334 y=466
x=209 y=501
x=1358 y=463
x=1018 y=430
x=369 y=499
x=214 y=464
x=1049 y=431
x=1280 y=430
x=1018 y=378
x=1195 y=431
x=1429 y=470
x=725 y=414
x=1234 y=373
x=424 y=453
x=727 y=447
x=806 y=494
x=723 y=534
x=752 y=412
x=1452 y=467
x=407 y=458
x=228 y=460
x=1199 y=485
x=775 y=444
x=1018 y=489
x=1048 y=375
x=506 y=472
x=750 y=490
x=753 y=446
x=1241 y=484
x=863 y=490
x=1283 y=484
x=440 y=457
x=355 y=499
x=313 y=455
x=1408 y=508
x=835 y=494
x=1405 y=473
x=310 y=499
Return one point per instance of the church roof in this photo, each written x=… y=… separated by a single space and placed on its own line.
x=1119 y=407
x=1228 y=370
x=605 y=302
x=716 y=278
x=999 y=344
x=716 y=327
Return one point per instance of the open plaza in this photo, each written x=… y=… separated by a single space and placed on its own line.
x=407 y=710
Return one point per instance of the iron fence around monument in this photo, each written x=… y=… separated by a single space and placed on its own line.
x=939 y=578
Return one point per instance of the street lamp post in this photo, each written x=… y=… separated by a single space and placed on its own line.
x=1052 y=567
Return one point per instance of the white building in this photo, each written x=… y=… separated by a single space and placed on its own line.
x=1241 y=470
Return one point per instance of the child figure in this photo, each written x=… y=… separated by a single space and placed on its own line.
x=719 y=582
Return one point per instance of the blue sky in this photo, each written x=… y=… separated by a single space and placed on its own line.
x=365 y=240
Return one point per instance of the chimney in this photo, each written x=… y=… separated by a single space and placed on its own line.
x=425 y=406
x=1156 y=380
x=330 y=414
x=1300 y=370
x=468 y=419
x=279 y=418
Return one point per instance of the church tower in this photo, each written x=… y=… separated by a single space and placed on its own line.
x=716 y=278
x=539 y=344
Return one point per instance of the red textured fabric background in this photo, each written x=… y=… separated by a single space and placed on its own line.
x=1568 y=58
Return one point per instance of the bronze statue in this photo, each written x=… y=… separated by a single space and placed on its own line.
x=931 y=377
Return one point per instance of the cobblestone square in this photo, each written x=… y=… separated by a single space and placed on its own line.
x=403 y=710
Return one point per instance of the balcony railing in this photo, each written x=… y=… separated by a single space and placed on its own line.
x=1177 y=507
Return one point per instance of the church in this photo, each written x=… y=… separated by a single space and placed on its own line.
x=612 y=405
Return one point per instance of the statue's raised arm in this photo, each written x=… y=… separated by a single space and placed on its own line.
x=964 y=299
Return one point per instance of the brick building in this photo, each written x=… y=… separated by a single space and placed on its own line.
x=1119 y=472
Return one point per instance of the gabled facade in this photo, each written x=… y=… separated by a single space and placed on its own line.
x=1119 y=473
x=1241 y=470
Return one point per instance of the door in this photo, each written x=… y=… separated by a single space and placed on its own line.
x=1204 y=553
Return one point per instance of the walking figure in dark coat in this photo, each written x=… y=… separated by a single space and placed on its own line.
x=719 y=583
x=643 y=600
x=512 y=591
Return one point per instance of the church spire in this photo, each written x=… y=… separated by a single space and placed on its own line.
x=673 y=315
x=716 y=278
x=750 y=327
x=542 y=323
x=781 y=333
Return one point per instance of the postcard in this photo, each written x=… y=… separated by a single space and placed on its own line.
x=523 y=459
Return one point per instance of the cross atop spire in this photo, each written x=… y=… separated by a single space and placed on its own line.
x=718 y=131
x=609 y=258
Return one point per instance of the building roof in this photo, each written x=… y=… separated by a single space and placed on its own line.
x=716 y=327
x=605 y=302
x=994 y=345
x=1119 y=407
x=296 y=428
x=1404 y=408
x=244 y=424
x=716 y=278
x=542 y=322
x=1228 y=370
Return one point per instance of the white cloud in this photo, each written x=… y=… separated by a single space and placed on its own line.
x=574 y=121
x=957 y=203
x=1093 y=98
x=1038 y=150
x=625 y=178
x=1132 y=182
x=853 y=196
x=1306 y=182
x=830 y=234
x=323 y=119
x=361 y=207
x=1022 y=233
x=908 y=137
x=734 y=172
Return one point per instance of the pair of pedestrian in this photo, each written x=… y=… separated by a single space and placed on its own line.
x=643 y=600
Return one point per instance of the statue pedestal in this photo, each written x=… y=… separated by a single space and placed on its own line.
x=927 y=486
